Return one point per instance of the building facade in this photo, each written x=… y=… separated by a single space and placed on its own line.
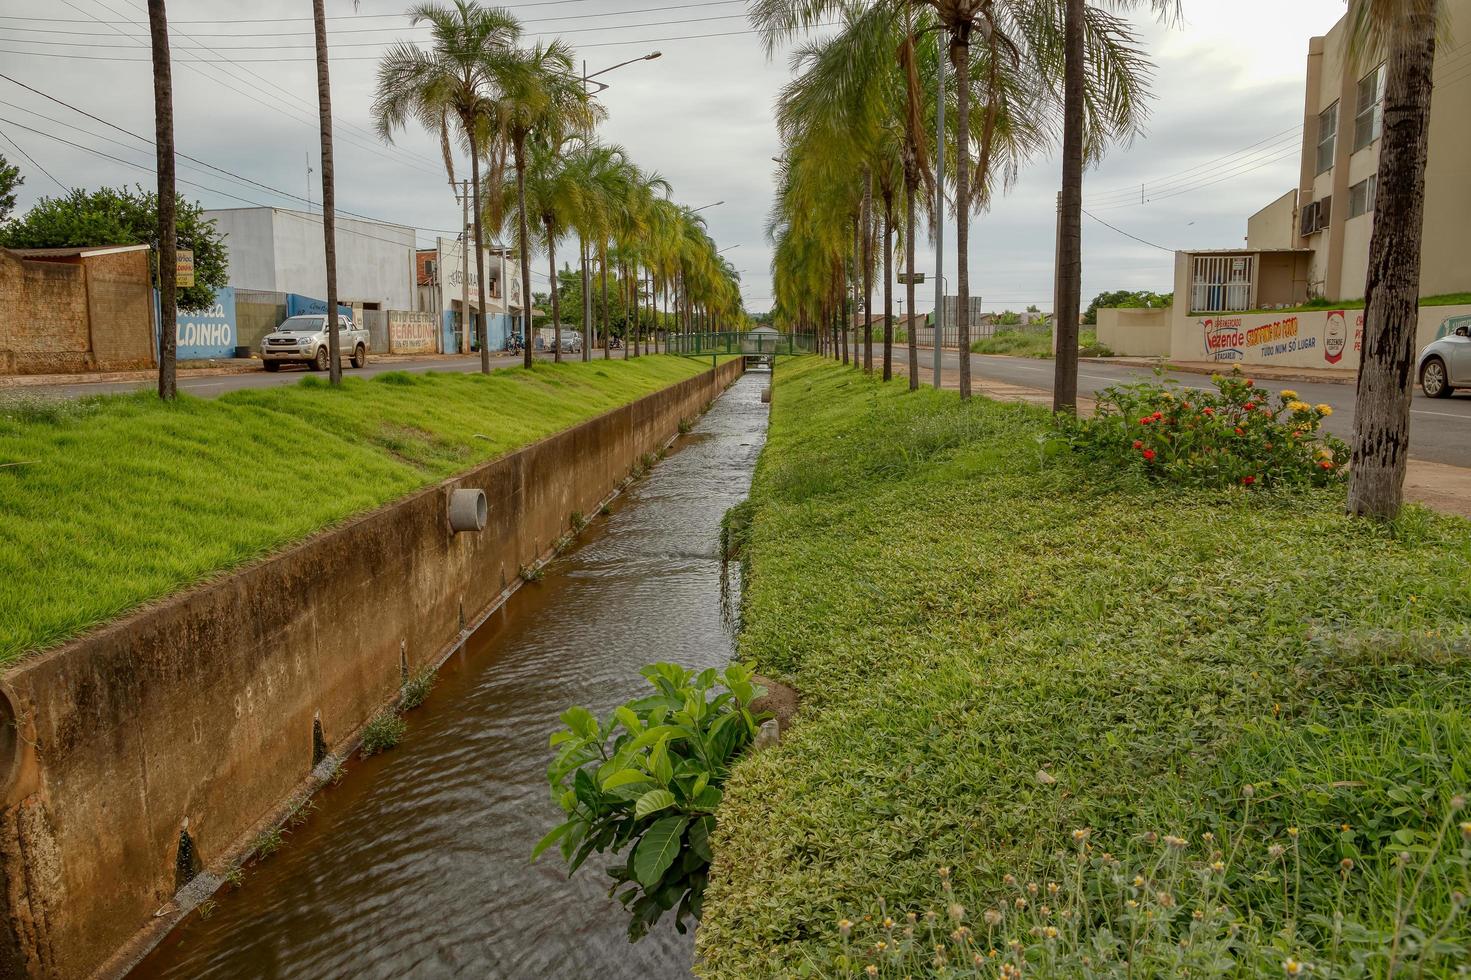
x=283 y=251
x=449 y=283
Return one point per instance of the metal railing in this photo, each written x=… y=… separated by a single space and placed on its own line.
x=750 y=343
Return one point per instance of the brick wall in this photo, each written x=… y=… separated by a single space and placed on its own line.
x=67 y=316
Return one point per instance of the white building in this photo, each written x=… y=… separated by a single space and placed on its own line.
x=281 y=250
x=449 y=283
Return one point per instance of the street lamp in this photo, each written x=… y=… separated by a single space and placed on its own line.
x=603 y=86
x=728 y=248
x=707 y=207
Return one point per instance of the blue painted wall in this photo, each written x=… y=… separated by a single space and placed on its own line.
x=207 y=334
x=306 y=305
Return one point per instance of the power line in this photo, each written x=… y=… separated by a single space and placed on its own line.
x=276 y=20
x=368 y=44
x=1136 y=238
x=1230 y=160
x=64 y=188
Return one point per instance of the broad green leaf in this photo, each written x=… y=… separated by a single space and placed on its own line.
x=652 y=802
x=700 y=832
x=659 y=763
x=554 y=835
x=709 y=798
x=629 y=719
x=657 y=849
x=624 y=777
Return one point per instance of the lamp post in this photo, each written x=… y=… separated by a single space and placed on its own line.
x=706 y=207
x=587 y=79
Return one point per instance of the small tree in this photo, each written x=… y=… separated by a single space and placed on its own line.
x=10 y=179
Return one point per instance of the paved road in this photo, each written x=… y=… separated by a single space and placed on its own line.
x=1440 y=429
x=218 y=384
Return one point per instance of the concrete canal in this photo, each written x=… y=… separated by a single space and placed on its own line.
x=417 y=863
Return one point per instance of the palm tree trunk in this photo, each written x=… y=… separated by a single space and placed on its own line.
x=960 y=55
x=163 y=124
x=607 y=320
x=588 y=333
x=523 y=244
x=850 y=324
x=555 y=298
x=630 y=314
x=888 y=288
x=1070 y=225
x=1392 y=296
x=329 y=196
x=867 y=271
x=482 y=330
x=909 y=287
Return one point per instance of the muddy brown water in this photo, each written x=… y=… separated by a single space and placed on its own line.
x=416 y=864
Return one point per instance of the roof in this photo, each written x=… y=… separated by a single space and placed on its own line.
x=76 y=251
x=1247 y=251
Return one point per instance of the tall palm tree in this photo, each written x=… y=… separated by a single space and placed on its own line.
x=537 y=94
x=163 y=125
x=329 y=188
x=1407 y=29
x=452 y=85
x=1081 y=20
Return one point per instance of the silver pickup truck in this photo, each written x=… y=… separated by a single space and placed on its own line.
x=303 y=340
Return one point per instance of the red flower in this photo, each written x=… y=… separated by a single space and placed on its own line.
x=1249 y=382
x=1138 y=444
x=1240 y=431
x=1248 y=480
x=1327 y=464
x=1250 y=406
x=1149 y=455
x=1207 y=411
x=1145 y=420
x=1157 y=416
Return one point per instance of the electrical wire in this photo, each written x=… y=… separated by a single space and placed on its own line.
x=276 y=20
x=32 y=160
x=1269 y=145
x=1136 y=238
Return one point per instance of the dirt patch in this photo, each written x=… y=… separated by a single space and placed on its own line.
x=779 y=700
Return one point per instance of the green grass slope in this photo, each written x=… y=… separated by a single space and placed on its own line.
x=997 y=647
x=109 y=502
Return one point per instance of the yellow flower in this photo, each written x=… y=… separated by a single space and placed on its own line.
x=1324 y=409
x=1289 y=395
x=1297 y=406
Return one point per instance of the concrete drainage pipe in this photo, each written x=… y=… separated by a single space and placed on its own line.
x=467 y=510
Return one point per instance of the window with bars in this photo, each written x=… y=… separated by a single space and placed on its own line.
x=1327 y=137
x=1361 y=197
x=1369 y=122
x=1222 y=283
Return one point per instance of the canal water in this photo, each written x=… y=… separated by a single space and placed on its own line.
x=416 y=864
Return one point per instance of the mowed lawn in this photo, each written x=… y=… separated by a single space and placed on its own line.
x=109 y=502
x=1014 y=663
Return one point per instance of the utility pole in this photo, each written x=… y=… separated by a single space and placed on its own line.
x=940 y=212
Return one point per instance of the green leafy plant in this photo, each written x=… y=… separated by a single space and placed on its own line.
x=1237 y=435
x=647 y=781
x=268 y=842
x=416 y=689
x=383 y=732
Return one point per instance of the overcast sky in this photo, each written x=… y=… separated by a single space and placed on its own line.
x=1221 y=141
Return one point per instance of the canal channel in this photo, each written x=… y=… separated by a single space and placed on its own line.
x=416 y=864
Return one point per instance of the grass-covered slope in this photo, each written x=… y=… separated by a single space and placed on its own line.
x=109 y=502
x=997 y=647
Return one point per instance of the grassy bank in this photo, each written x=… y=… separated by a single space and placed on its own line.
x=109 y=502
x=1026 y=343
x=1014 y=665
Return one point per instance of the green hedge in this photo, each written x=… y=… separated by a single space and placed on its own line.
x=997 y=647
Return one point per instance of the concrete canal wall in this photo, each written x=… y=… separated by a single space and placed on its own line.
x=201 y=707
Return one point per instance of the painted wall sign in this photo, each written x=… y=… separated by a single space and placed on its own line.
x=207 y=333
x=1224 y=338
x=306 y=305
x=411 y=333
x=184 y=268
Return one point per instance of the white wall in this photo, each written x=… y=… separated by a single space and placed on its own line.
x=375 y=262
x=247 y=234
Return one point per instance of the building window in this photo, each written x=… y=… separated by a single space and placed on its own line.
x=1222 y=283
x=1361 y=197
x=1327 y=137
x=1369 y=123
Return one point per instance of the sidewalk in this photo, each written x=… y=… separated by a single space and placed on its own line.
x=1263 y=371
x=187 y=369
x=1436 y=485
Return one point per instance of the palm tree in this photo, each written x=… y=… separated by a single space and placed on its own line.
x=163 y=124
x=453 y=84
x=1407 y=28
x=329 y=188
x=537 y=94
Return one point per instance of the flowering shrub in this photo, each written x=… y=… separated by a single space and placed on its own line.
x=1237 y=435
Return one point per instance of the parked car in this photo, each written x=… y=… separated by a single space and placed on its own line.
x=303 y=340
x=571 y=343
x=1446 y=364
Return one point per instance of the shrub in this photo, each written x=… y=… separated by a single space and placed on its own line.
x=1237 y=435
x=648 y=780
x=383 y=732
x=735 y=530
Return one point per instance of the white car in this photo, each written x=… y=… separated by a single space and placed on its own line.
x=303 y=340
x=1446 y=364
